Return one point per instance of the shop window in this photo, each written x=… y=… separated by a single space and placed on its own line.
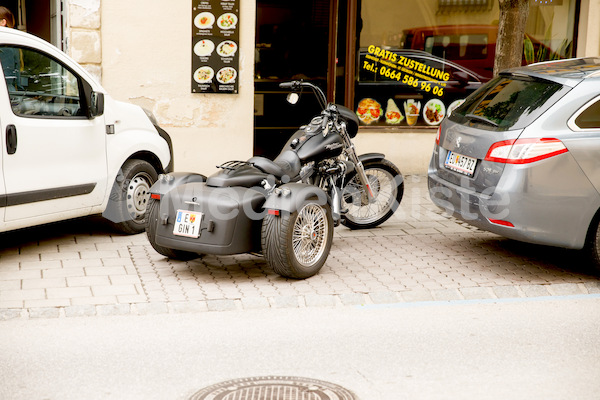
x=431 y=55
x=292 y=43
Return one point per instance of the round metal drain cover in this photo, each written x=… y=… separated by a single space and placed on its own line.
x=274 y=388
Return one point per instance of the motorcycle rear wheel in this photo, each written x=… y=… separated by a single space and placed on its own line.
x=387 y=185
x=152 y=220
x=296 y=245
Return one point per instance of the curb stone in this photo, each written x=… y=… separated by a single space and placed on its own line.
x=309 y=301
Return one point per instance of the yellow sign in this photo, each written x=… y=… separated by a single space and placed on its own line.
x=406 y=70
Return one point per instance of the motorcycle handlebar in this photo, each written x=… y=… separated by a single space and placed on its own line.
x=286 y=85
x=296 y=85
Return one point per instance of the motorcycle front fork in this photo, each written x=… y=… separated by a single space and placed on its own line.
x=364 y=181
x=336 y=205
x=335 y=192
x=360 y=169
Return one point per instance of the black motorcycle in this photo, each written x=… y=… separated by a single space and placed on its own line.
x=284 y=209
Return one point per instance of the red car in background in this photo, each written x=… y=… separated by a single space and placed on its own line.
x=473 y=46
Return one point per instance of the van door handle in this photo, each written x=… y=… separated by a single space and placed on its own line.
x=11 y=139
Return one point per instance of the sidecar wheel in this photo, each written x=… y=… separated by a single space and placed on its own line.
x=297 y=244
x=151 y=223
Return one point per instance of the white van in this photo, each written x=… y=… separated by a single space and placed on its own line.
x=67 y=148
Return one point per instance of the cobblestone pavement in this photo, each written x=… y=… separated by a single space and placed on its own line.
x=82 y=268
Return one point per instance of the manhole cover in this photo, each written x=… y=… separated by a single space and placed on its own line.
x=274 y=388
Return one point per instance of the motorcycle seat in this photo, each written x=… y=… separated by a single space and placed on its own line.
x=286 y=164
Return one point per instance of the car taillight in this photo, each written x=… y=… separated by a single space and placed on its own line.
x=437 y=138
x=524 y=151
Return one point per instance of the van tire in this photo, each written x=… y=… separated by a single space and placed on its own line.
x=126 y=208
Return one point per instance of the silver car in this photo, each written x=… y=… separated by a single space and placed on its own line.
x=521 y=156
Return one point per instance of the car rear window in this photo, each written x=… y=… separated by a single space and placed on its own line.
x=509 y=102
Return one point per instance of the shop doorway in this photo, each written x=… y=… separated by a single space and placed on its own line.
x=43 y=18
x=293 y=41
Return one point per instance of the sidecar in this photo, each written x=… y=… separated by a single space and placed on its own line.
x=240 y=210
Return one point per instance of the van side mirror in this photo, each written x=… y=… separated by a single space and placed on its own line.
x=96 y=104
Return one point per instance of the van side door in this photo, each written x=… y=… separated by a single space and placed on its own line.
x=54 y=155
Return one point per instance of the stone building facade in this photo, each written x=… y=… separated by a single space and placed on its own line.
x=140 y=52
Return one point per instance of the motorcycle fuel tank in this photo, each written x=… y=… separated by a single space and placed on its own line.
x=319 y=147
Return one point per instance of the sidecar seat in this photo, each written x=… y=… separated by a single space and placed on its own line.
x=252 y=172
x=286 y=163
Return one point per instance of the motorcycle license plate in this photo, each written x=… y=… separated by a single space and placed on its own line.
x=459 y=163
x=187 y=223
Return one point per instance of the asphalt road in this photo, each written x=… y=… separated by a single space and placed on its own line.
x=527 y=348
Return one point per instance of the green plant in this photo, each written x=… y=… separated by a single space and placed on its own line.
x=544 y=52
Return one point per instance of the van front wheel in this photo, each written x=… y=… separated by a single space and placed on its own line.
x=129 y=196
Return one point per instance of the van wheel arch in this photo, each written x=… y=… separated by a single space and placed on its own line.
x=129 y=195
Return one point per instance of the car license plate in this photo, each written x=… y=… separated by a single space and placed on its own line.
x=459 y=163
x=187 y=223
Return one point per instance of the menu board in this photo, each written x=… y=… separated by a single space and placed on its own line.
x=215 y=46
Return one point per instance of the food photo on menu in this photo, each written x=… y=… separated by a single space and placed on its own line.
x=368 y=111
x=204 y=48
x=226 y=75
x=204 y=20
x=226 y=48
x=411 y=110
x=434 y=112
x=204 y=74
x=393 y=116
x=227 y=21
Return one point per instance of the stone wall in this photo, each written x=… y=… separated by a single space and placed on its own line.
x=84 y=33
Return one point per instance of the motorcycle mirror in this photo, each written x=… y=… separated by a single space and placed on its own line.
x=293 y=98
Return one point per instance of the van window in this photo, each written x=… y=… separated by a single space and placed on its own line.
x=38 y=85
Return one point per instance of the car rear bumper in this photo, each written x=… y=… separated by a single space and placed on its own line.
x=550 y=203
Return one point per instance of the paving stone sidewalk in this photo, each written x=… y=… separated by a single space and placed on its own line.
x=82 y=268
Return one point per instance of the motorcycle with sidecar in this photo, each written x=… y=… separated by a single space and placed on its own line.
x=283 y=209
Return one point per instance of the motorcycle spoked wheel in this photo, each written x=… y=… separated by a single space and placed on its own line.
x=296 y=245
x=152 y=214
x=363 y=213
